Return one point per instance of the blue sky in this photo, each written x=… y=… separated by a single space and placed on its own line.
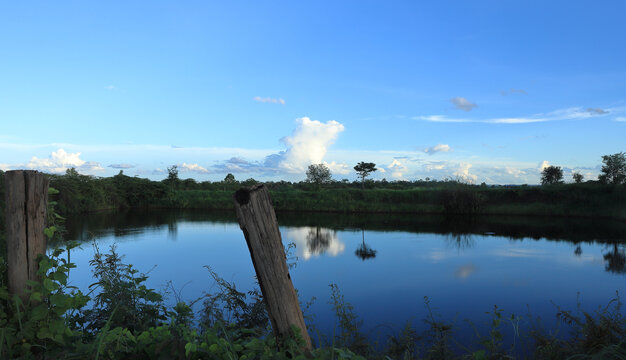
x=481 y=90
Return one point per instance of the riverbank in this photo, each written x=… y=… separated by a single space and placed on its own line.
x=82 y=194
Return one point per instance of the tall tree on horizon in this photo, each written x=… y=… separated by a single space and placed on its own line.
x=364 y=169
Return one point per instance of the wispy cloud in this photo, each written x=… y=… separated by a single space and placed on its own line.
x=513 y=91
x=597 y=111
x=110 y=87
x=462 y=103
x=575 y=113
x=269 y=100
x=121 y=166
x=621 y=118
x=437 y=148
x=193 y=168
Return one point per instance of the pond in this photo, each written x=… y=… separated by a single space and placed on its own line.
x=384 y=265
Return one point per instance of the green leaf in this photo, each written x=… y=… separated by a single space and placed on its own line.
x=44 y=333
x=35 y=296
x=49 y=231
x=189 y=348
x=59 y=300
x=479 y=355
x=60 y=276
x=39 y=312
x=48 y=284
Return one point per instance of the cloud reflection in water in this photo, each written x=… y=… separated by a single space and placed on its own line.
x=315 y=241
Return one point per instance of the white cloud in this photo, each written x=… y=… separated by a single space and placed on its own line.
x=269 y=100
x=59 y=161
x=437 y=148
x=397 y=169
x=110 y=87
x=307 y=145
x=463 y=172
x=544 y=164
x=462 y=103
x=621 y=118
x=575 y=113
x=194 y=168
x=335 y=168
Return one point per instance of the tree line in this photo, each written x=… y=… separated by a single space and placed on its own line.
x=613 y=172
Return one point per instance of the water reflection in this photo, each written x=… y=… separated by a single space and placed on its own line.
x=578 y=251
x=364 y=251
x=464 y=271
x=460 y=241
x=616 y=260
x=312 y=240
x=315 y=241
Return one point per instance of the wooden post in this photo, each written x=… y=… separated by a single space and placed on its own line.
x=26 y=203
x=258 y=222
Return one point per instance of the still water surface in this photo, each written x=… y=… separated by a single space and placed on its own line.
x=384 y=265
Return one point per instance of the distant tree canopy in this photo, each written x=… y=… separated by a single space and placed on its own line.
x=229 y=179
x=614 y=169
x=552 y=175
x=363 y=169
x=318 y=174
x=578 y=177
x=172 y=173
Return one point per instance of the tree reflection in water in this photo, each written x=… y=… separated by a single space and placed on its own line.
x=318 y=240
x=460 y=241
x=616 y=260
x=364 y=251
x=578 y=251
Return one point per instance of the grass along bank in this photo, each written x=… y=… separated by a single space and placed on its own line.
x=82 y=193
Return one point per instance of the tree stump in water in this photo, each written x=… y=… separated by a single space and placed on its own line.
x=258 y=222
x=26 y=205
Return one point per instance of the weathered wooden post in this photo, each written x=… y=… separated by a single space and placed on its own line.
x=26 y=203
x=258 y=222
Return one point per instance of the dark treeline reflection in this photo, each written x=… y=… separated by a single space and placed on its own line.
x=575 y=230
x=460 y=231
x=616 y=259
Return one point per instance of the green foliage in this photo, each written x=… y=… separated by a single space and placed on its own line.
x=80 y=193
x=49 y=323
x=318 y=174
x=229 y=178
x=363 y=169
x=231 y=307
x=438 y=335
x=551 y=175
x=614 y=169
x=348 y=323
x=597 y=335
x=122 y=299
x=461 y=200
x=42 y=321
x=578 y=177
